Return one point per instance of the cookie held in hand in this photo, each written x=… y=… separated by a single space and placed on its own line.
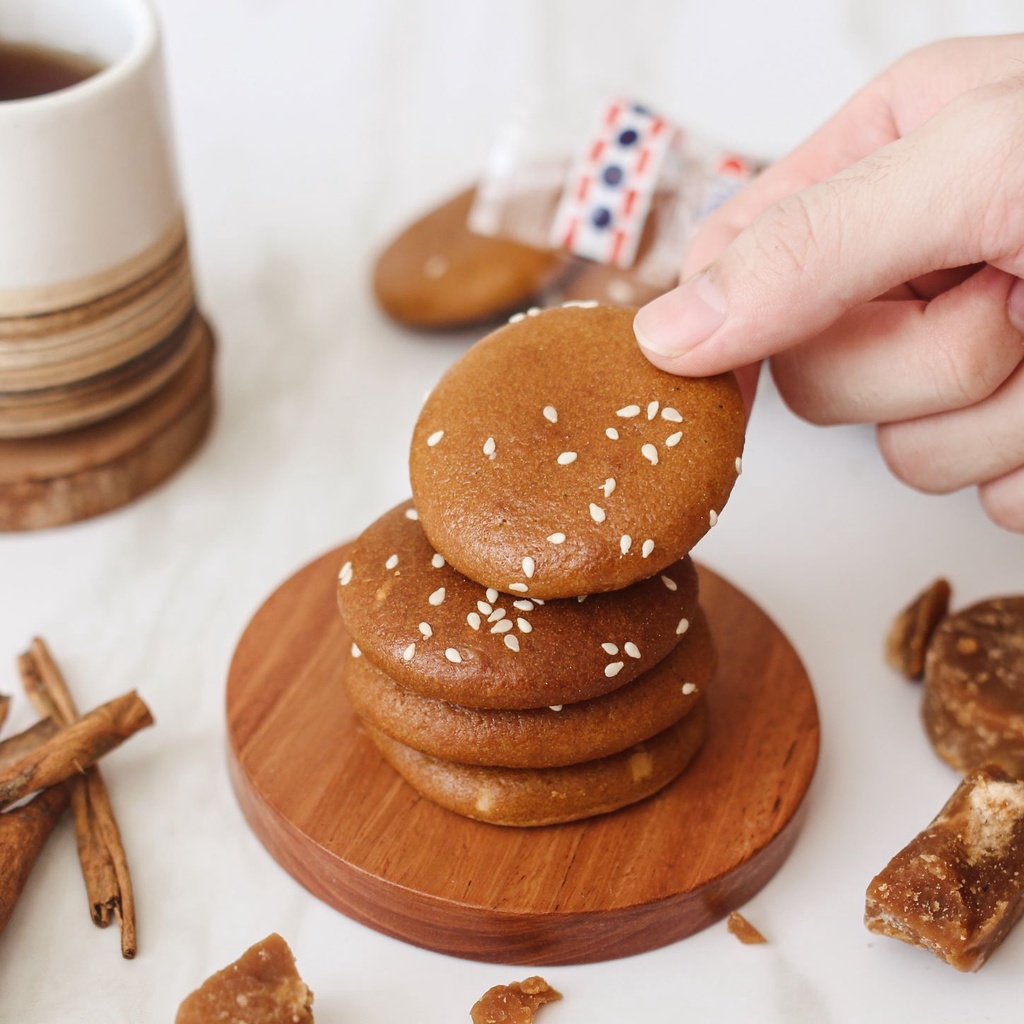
x=553 y=460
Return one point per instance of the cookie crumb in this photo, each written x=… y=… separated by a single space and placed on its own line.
x=516 y=1003
x=739 y=926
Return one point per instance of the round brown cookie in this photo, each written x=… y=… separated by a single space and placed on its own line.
x=541 y=737
x=553 y=459
x=437 y=273
x=547 y=796
x=974 y=686
x=436 y=632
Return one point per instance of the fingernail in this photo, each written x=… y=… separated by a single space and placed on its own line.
x=681 y=319
x=1014 y=304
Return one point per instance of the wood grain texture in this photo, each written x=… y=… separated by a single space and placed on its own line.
x=43 y=299
x=337 y=818
x=57 y=410
x=63 y=478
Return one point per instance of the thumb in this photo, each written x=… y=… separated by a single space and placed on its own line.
x=918 y=204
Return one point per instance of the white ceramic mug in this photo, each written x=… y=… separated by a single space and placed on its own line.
x=89 y=197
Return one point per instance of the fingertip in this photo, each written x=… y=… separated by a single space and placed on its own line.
x=1003 y=500
x=675 y=324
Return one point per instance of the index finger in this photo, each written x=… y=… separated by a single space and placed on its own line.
x=896 y=102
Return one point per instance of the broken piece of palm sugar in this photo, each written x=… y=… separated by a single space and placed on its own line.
x=958 y=888
x=261 y=987
x=513 y=1004
x=739 y=926
x=908 y=637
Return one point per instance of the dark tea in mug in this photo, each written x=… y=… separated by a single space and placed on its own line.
x=27 y=70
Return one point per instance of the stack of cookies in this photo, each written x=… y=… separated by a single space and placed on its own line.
x=527 y=643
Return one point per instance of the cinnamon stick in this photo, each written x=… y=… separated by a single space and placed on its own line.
x=17 y=746
x=23 y=833
x=73 y=749
x=101 y=853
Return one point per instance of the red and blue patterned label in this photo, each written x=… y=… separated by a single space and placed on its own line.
x=610 y=186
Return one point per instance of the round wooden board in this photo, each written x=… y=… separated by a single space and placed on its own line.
x=333 y=813
x=63 y=478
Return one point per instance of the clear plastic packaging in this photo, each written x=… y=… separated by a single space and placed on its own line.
x=626 y=195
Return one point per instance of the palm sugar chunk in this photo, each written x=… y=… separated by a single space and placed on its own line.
x=513 y=1004
x=958 y=888
x=973 y=705
x=908 y=637
x=261 y=987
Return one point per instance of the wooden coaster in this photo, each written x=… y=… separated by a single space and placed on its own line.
x=62 y=478
x=337 y=818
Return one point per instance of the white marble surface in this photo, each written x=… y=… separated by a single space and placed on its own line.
x=308 y=131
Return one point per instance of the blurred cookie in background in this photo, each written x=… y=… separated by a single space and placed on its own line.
x=437 y=274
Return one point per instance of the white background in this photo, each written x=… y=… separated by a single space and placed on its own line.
x=308 y=131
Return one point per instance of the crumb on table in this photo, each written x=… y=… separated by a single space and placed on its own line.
x=739 y=926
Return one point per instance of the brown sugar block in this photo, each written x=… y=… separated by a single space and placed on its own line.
x=540 y=737
x=553 y=459
x=261 y=987
x=973 y=704
x=437 y=273
x=47 y=481
x=912 y=629
x=958 y=888
x=635 y=285
x=547 y=796
x=516 y=1003
x=440 y=634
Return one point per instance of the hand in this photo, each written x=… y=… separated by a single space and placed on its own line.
x=880 y=266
